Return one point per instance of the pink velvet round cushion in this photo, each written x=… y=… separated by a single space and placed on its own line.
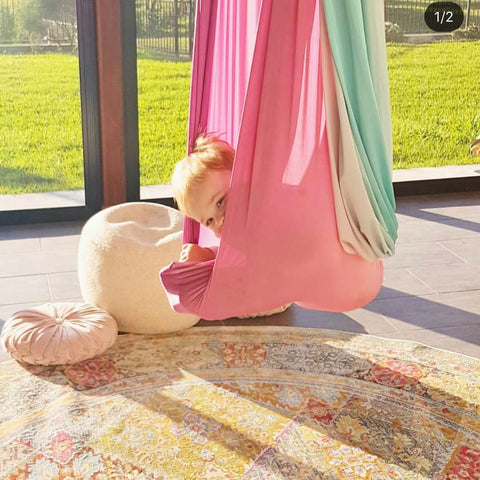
x=58 y=333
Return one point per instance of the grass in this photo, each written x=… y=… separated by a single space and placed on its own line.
x=435 y=112
x=40 y=126
x=163 y=92
x=435 y=103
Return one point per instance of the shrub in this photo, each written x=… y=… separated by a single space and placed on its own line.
x=393 y=33
x=472 y=32
x=31 y=22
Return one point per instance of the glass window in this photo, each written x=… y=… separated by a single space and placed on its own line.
x=41 y=157
x=434 y=80
x=164 y=47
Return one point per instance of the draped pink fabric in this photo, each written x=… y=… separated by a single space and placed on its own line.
x=257 y=81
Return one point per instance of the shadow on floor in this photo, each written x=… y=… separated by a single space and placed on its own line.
x=424 y=313
x=445 y=219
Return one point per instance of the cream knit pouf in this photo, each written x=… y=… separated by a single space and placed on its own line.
x=122 y=250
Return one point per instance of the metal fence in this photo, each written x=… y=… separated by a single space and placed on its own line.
x=166 y=26
x=163 y=26
x=409 y=14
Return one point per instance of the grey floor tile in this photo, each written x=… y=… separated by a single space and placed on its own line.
x=21 y=245
x=464 y=340
x=6 y=311
x=433 y=231
x=410 y=205
x=402 y=218
x=61 y=229
x=25 y=289
x=62 y=242
x=64 y=285
x=432 y=311
x=454 y=204
x=467 y=215
x=420 y=254
x=16 y=232
x=418 y=203
x=455 y=278
x=468 y=249
x=398 y=282
x=371 y=321
x=10 y=232
x=356 y=321
x=438 y=234
x=468 y=301
x=286 y=318
x=38 y=262
x=461 y=210
x=77 y=299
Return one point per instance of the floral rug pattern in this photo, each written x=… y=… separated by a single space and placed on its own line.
x=225 y=403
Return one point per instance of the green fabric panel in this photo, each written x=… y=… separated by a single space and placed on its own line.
x=356 y=33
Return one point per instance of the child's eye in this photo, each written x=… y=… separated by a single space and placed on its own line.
x=208 y=222
x=219 y=203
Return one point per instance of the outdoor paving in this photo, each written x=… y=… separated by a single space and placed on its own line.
x=430 y=293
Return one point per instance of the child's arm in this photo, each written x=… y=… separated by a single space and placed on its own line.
x=193 y=252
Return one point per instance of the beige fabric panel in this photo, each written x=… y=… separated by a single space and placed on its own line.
x=358 y=228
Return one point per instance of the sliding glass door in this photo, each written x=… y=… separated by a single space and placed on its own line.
x=41 y=142
x=164 y=47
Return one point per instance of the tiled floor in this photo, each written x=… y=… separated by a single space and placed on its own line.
x=430 y=294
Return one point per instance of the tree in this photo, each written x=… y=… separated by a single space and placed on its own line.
x=7 y=24
x=31 y=21
x=55 y=20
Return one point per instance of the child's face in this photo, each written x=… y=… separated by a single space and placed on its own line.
x=208 y=200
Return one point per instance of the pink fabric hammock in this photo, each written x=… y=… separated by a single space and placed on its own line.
x=258 y=82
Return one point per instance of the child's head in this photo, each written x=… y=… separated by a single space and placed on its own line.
x=201 y=181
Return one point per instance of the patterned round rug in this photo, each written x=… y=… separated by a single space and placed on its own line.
x=245 y=403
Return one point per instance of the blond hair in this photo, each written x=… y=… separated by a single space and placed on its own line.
x=209 y=153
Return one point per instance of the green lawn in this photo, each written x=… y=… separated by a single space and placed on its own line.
x=163 y=92
x=40 y=130
x=434 y=93
x=435 y=99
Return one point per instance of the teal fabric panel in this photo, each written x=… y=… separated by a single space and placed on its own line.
x=357 y=38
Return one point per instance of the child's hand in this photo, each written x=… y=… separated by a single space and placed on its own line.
x=192 y=252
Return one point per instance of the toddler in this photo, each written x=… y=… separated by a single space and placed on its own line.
x=200 y=184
